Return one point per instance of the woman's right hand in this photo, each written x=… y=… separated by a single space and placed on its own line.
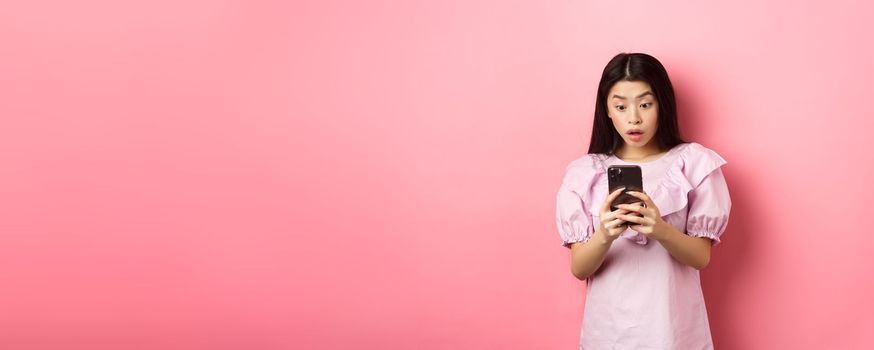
x=609 y=225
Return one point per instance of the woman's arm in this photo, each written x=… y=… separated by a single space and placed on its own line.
x=587 y=257
x=689 y=250
x=692 y=251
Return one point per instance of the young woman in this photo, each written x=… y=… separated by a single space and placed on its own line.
x=641 y=262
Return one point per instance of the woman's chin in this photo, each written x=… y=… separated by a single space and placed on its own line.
x=638 y=141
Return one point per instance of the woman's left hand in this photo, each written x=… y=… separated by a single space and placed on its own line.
x=649 y=222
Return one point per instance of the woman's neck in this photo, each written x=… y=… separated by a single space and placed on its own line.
x=637 y=153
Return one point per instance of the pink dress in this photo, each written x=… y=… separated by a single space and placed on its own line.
x=641 y=297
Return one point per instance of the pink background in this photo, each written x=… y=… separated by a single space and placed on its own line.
x=382 y=174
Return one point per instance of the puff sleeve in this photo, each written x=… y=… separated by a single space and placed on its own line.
x=709 y=207
x=572 y=215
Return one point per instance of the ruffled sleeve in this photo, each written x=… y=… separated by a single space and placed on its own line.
x=709 y=200
x=572 y=215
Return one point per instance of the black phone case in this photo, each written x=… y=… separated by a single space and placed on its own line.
x=628 y=176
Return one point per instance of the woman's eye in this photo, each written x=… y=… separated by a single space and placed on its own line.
x=646 y=105
x=620 y=107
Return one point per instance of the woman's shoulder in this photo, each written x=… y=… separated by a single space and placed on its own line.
x=696 y=147
x=582 y=171
x=696 y=162
x=694 y=152
x=588 y=165
x=589 y=161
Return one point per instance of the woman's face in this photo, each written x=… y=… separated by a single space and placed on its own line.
x=634 y=111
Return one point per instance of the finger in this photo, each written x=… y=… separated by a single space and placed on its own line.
x=632 y=219
x=632 y=214
x=637 y=210
x=614 y=224
x=606 y=206
x=618 y=212
x=637 y=207
x=646 y=199
x=610 y=215
x=610 y=218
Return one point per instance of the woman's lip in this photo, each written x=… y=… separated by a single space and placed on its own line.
x=635 y=137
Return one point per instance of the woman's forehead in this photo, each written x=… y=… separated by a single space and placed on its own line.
x=629 y=89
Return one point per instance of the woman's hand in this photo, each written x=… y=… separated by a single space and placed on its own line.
x=649 y=222
x=610 y=226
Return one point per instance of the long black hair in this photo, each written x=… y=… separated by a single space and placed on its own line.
x=635 y=67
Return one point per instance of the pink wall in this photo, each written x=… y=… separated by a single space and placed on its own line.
x=382 y=174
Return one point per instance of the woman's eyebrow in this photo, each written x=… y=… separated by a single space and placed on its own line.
x=638 y=96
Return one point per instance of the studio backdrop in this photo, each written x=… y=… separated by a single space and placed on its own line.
x=382 y=174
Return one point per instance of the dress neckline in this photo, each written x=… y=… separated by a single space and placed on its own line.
x=663 y=157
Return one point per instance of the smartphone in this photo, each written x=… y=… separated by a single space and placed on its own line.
x=628 y=176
